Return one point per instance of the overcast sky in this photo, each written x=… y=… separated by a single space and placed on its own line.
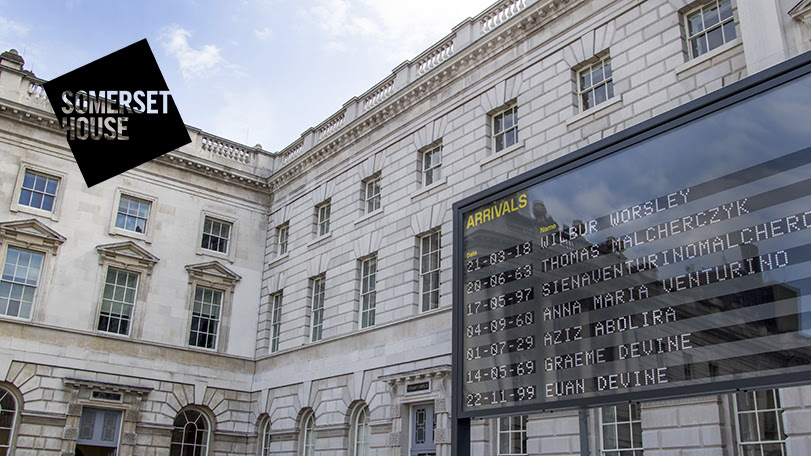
x=254 y=72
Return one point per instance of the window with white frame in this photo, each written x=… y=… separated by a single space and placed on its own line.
x=621 y=430
x=275 y=321
x=308 y=435
x=205 y=317
x=38 y=191
x=282 y=232
x=19 y=281
x=512 y=436
x=371 y=194
x=8 y=418
x=760 y=423
x=132 y=214
x=322 y=218
x=266 y=438
x=505 y=128
x=190 y=434
x=118 y=301
x=363 y=432
x=432 y=165
x=709 y=26
x=429 y=271
x=216 y=235
x=595 y=83
x=317 y=308
x=368 y=293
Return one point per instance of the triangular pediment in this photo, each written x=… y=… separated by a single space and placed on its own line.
x=213 y=270
x=31 y=232
x=801 y=11
x=128 y=250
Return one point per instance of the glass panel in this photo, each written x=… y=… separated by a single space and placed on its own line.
x=715 y=38
x=51 y=187
x=711 y=16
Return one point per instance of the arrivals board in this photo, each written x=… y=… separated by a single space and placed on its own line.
x=666 y=265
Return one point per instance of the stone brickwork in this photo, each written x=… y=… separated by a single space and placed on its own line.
x=517 y=53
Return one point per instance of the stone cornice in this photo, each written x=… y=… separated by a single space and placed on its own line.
x=183 y=161
x=506 y=35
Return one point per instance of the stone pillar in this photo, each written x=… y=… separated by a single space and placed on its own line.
x=796 y=403
x=762 y=34
x=693 y=426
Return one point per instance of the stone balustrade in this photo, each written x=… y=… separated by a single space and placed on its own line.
x=501 y=14
x=292 y=152
x=378 y=96
x=332 y=125
x=229 y=150
x=435 y=57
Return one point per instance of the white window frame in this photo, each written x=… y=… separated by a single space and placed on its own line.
x=196 y=450
x=604 y=85
x=363 y=431
x=371 y=194
x=232 y=236
x=510 y=434
x=368 y=291
x=61 y=178
x=200 y=290
x=264 y=450
x=308 y=435
x=123 y=301
x=430 y=170
x=215 y=277
x=5 y=394
x=705 y=31
x=636 y=448
x=146 y=236
x=322 y=216
x=282 y=238
x=15 y=283
x=757 y=413
x=505 y=132
x=428 y=275
x=318 y=292
x=276 y=300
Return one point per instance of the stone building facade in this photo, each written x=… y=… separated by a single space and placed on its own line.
x=226 y=300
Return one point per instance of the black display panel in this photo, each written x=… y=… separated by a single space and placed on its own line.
x=672 y=263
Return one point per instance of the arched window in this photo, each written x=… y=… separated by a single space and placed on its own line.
x=266 y=438
x=190 y=435
x=8 y=413
x=363 y=432
x=308 y=435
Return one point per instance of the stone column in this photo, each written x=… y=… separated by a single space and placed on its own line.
x=762 y=34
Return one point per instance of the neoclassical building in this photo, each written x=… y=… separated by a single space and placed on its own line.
x=227 y=300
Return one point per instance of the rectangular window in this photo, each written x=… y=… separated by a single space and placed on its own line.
x=132 y=214
x=432 y=166
x=216 y=235
x=368 y=294
x=317 y=309
x=205 y=317
x=371 y=195
x=118 y=301
x=322 y=212
x=512 y=436
x=709 y=26
x=38 y=191
x=595 y=84
x=760 y=423
x=281 y=238
x=275 y=322
x=429 y=271
x=621 y=430
x=505 y=128
x=18 y=284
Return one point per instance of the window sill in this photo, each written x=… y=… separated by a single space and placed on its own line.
x=504 y=152
x=707 y=56
x=131 y=234
x=214 y=254
x=368 y=216
x=35 y=212
x=592 y=111
x=278 y=259
x=427 y=189
x=319 y=240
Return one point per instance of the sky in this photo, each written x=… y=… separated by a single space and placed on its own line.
x=255 y=72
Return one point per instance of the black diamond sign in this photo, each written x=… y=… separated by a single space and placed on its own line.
x=117 y=113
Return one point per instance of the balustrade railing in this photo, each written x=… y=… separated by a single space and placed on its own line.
x=501 y=14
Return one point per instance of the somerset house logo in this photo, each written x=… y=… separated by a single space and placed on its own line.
x=117 y=113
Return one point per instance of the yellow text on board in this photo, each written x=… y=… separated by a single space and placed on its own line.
x=496 y=210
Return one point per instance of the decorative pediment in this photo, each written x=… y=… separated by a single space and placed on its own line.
x=127 y=253
x=801 y=11
x=31 y=233
x=213 y=272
